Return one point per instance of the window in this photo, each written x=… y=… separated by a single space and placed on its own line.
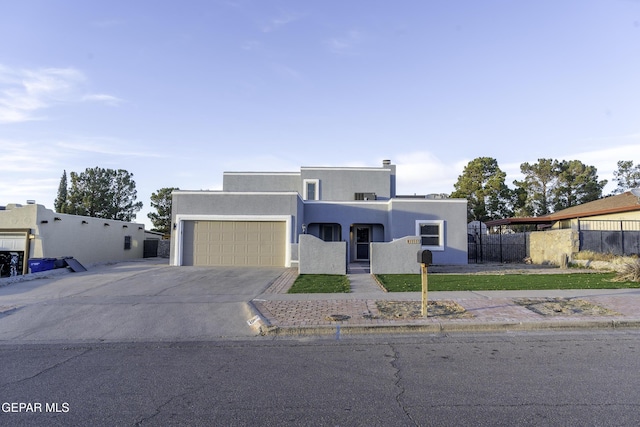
x=330 y=232
x=365 y=196
x=127 y=242
x=311 y=189
x=431 y=234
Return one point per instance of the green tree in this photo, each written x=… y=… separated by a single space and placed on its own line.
x=161 y=202
x=539 y=180
x=627 y=176
x=482 y=184
x=576 y=184
x=60 y=203
x=123 y=196
x=103 y=193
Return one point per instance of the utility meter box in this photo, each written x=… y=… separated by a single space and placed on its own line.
x=425 y=257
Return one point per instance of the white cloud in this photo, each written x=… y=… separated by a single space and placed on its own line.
x=345 y=43
x=19 y=156
x=421 y=172
x=30 y=188
x=101 y=97
x=109 y=146
x=279 y=22
x=25 y=93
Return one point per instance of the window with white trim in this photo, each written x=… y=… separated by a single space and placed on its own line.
x=431 y=233
x=311 y=189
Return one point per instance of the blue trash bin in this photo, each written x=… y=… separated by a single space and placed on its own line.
x=41 y=264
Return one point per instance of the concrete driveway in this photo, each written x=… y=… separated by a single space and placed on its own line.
x=133 y=301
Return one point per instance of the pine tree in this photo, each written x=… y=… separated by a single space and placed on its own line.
x=577 y=183
x=538 y=184
x=60 y=203
x=482 y=184
x=103 y=193
x=627 y=176
x=161 y=201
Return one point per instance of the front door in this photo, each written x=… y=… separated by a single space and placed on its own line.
x=363 y=239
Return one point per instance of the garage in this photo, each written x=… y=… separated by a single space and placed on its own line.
x=13 y=246
x=234 y=243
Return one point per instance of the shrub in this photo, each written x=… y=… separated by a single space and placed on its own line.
x=630 y=272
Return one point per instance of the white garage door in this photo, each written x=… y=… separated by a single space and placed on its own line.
x=13 y=241
x=234 y=243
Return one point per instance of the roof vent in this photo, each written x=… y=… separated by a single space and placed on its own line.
x=31 y=202
x=386 y=162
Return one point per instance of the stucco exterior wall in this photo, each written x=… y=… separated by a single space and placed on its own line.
x=217 y=203
x=337 y=184
x=227 y=203
x=318 y=257
x=397 y=257
x=347 y=214
x=88 y=242
x=238 y=206
x=405 y=212
x=262 y=181
x=547 y=247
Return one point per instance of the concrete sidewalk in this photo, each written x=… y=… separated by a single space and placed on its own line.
x=312 y=314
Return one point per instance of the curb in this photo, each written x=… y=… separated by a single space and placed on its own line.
x=273 y=330
x=257 y=321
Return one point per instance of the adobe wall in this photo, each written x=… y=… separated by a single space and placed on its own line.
x=548 y=247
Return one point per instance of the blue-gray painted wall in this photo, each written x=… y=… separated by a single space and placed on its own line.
x=248 y=193
x=261 y=181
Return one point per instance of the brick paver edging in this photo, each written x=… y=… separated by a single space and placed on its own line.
x=282 y=284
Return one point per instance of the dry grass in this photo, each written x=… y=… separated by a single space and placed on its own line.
x=630 y=272
x=595 y=256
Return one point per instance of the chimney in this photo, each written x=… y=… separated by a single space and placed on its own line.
x=392 y=184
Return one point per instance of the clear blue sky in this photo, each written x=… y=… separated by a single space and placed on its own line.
x=176 y=92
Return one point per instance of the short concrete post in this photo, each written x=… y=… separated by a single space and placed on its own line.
x=564 y=261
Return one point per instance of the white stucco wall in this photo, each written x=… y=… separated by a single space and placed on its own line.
x=86 y=239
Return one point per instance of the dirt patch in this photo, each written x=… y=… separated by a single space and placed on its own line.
x=413 y=309
x=563 y=307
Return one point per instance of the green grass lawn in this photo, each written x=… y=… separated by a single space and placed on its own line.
x=486 y=282
x=320 y=283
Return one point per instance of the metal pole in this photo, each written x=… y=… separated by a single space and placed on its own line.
x=425 y=286
x=500 y=237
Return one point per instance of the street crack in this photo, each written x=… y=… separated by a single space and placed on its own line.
x=399 y=383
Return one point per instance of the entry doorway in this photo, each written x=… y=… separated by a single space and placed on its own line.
x=362 y=240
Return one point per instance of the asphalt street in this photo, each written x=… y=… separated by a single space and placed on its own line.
x=569 y=379
x=142 y=343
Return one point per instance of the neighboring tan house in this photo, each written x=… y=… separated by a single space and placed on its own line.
x=33 y=231
x=622 y=207
x=263 y=218
x=607 y=225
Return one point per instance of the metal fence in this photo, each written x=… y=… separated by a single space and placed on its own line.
x=497 y=247
x=619 y=237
